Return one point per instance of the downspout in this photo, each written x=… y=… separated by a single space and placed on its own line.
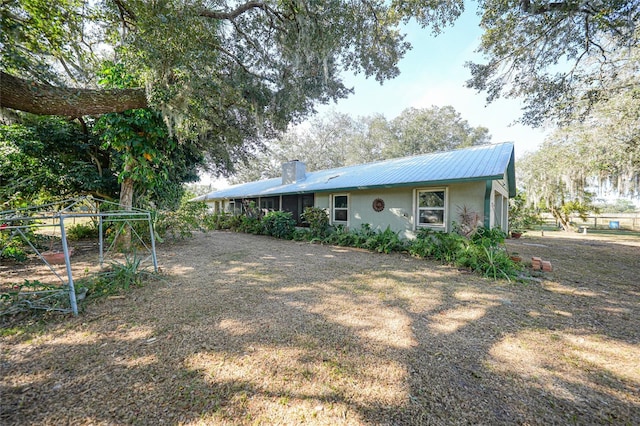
x=487 y=204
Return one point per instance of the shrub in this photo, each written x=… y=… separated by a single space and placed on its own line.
x=340 y=236
x=279 y=224
x=250 y=225
x=12 y=248
x=217 y=221
x=182 y=222
x=384 y=242
x=481 y=252
x=488 y=237
x=318 y=221
x=301 y=234
x=82 y=230
x=234 y=223
x=492 y=262
x=421 y=247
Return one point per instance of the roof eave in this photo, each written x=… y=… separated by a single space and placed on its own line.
x=368 y=187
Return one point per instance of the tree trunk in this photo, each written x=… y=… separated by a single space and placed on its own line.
x=564 y=221
x=126 y=194
x=43 y=99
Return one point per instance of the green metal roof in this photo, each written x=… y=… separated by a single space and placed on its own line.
x=486 y=162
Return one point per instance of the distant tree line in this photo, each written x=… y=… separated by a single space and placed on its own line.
x=336 y=139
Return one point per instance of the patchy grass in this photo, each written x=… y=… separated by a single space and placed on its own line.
x=253 y=330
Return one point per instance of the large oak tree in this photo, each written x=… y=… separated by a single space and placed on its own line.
x=253 y=63
x=560 y=57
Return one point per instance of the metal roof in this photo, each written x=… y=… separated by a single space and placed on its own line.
x=484 y=162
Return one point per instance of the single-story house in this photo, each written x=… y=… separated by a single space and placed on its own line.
x=407 y=194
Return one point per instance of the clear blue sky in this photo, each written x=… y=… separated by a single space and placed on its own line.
x=433 y=73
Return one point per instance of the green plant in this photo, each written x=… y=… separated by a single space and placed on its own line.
x=487 y=255
x=279 y=224
x=488 y=237
x=318 y=221
x=495 y=263
x=384 y=242
x=301 y=234
x=521 y=215
x=181 y=223
x=421 y=246
x=340 y=236
x=119 y=276
x=217 y=221
x=11 y=247
x=14 y=252
x=250 y=225
x=81 y=230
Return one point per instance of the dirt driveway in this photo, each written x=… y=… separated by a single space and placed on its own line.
x=252 y=330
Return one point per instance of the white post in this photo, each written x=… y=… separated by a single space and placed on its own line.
x=67 y=260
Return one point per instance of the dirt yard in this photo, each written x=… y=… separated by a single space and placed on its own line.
x=252 y=330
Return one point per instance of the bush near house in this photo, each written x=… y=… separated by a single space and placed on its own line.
x=482 y=251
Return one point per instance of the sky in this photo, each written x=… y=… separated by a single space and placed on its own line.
x=433 y=73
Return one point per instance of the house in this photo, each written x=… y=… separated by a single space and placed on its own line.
x=407 y=194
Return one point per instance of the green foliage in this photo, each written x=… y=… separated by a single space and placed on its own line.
x=12 y=247
x=279 y=224
x=442 y=246
x=225 y=75
x=45 y=158
x=521 y=214
x=386 y=241
x=182 y=222
x=302 y=234
x=492 y=262
x=13 y=251
x=117 y=278
x=561 y=58
x=318 y=221
x=365 y=237
x=250 y=225
x=148 y=155
x=421 y=131
x=82 y=230
x=488 y=237
x=482 y=252
x=341 y=236
x=554 y=180
x=218 y=221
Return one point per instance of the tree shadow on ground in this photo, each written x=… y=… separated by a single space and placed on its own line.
x=257 y=330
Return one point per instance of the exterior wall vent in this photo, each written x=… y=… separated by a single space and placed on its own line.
x=293 y=171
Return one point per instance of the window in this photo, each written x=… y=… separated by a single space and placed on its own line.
x=432 y=208
x=270 y=203
x=340 y=208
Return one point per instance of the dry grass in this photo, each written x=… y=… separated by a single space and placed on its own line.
x=252 y=330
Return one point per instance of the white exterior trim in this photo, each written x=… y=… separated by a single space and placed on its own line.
x=332 y=209
x=445 y=216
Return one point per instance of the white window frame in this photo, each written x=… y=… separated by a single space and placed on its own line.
x=445 y=216
x=333 y=209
